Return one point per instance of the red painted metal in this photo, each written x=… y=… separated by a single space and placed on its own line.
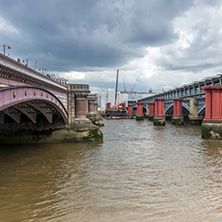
x=108 y=105
x=122 y=107
x=151 y=109
x=15 y=95
x=159 y=106
x=139 y=108
x=213 y=103
x=130 y=109
x=177 y=107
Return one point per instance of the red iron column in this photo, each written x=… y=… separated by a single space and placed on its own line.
x=213 y=103
x=177 y=107
x=151 y=109
x=177 y=118
x=216 y=105
x=139 y=113
x=212 y=123
x=159 y=106
x=130 y=109
x=159 y=118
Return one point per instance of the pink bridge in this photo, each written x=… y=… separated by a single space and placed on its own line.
x=31 y=100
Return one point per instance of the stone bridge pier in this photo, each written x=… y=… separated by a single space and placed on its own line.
x=82 y=107
x=92 y=114
x=194 y=118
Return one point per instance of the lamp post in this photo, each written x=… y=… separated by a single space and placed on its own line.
x=4 y=47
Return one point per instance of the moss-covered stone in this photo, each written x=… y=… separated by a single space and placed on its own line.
x=150 y=117
x=96 y=119
x=179 y=121
x=139 y=117
x=195 y=122
x=211 y=130
x=159 y=121
x=80 y=131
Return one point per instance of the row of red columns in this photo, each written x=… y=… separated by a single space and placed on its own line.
x=157 y=108
x=213 y=104
x=213 y=107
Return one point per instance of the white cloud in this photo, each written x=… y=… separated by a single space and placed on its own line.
x=6 y=27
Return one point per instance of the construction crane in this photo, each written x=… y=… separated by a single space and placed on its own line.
x=135 y=84
x=124 y=85
x=117 y=75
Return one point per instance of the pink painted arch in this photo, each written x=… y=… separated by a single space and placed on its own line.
x=16 y=95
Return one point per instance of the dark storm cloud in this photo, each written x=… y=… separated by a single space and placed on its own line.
x=78 y=35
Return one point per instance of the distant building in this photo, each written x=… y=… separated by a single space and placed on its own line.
x=128 y=97
x=102 y=99
x=134 y=96
x=111 y=96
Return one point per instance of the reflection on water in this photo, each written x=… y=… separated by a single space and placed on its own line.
x=140 y=173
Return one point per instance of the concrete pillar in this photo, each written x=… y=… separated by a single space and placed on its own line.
x=139 y=113
x=159 y=118
x=151 y=111
x=212 y=123
x=147 y=109
x=71 y=106
x=93 y=115
x=194 y=119
x=177 y=118
x=91 y=106
x=77 y=101
x=95 y=106
x=91 y=103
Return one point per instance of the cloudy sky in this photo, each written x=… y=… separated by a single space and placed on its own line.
x=158 y=44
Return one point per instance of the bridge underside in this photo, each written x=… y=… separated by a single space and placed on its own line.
x=185 y=111
x=36 y=114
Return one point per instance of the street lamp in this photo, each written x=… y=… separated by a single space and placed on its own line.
x=4 y=47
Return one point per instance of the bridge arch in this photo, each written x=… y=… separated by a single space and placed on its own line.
x=185 y=109
x=201 y=111
x=30 y=101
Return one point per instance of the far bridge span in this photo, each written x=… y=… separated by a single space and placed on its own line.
x=193 y=103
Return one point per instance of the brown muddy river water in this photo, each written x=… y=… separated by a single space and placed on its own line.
x=140 y=173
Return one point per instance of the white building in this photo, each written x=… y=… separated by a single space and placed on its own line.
x=123 y=98
x=102 y=99
x=108 y=96
x=111 y=96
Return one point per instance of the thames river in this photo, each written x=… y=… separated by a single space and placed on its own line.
x=140 y=173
